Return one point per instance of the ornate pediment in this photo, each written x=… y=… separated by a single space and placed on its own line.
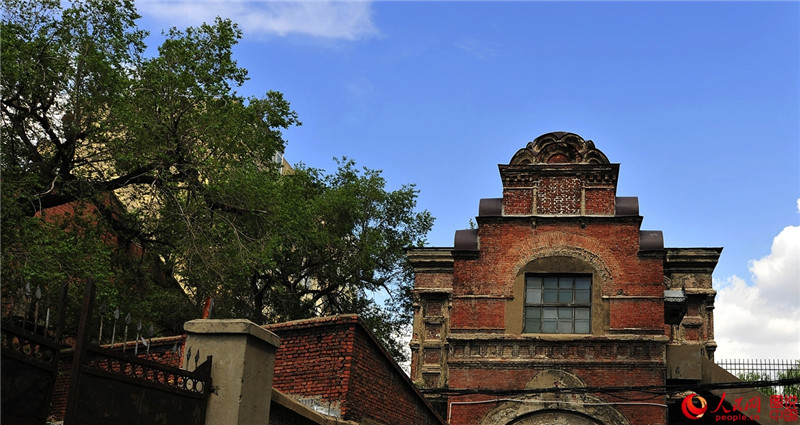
x=559 y=148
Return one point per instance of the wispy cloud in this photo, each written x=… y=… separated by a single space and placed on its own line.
x=341 y=20
x=482 y=50
x=762 y=320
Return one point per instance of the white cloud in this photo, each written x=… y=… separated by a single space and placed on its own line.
x=762 y=320
x=330 y=19
x=404 y=336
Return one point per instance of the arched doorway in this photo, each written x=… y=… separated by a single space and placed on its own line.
x=554 y=417
x=568 y=408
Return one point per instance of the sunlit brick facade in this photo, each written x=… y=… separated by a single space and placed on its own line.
x=558 y=308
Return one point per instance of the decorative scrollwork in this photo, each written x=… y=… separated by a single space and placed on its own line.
x=131 y=367
x=559 y=147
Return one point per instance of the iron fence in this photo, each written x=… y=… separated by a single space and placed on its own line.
x=121 y=381
x=765 y=370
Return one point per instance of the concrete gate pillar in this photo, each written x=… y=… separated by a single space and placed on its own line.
x=242 y=368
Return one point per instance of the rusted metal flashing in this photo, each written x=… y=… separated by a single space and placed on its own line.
x=651 y=240
x=626 y=206
x=466 y=240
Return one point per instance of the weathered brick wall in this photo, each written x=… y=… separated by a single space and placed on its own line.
x=58 y=401
x=690 y=269
x=629 y=294
x=559 y=195
x=433 y=281
x=600 y=201
x=314 y=359
x=433 y=287
x=338 y=359
x=380 y=391
x=516 y=373
x=555 y=218
x=477 y=314
x=633 y=290
x=518 y=201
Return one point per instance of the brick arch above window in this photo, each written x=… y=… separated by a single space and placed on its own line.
x=592 y=262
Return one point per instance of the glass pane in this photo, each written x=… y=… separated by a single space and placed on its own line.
x=550 y=295
x=583 y=282
x=549 y=326
x=582 y=296
x=532 y=312
x=550 y=313
x=533 y=326
x=565 y=282
x=565 y=296
x=533 y=296
x=550 y=283
x=534 y=282
x=582 y=327
x=565 y=313
x=581 y=314
x=564 y=326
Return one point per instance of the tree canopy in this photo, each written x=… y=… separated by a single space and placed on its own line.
x=154 y=177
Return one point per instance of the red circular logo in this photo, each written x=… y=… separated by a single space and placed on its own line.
x=690 y=410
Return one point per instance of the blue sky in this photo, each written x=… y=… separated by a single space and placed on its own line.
x=698 y=101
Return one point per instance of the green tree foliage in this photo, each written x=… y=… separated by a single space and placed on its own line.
x=791 y=373
x=756 y=377
x=172 y=182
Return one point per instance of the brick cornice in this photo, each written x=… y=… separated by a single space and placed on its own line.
x=581 y=220
x=431 y=260
x=343 y=319
x=691 y=260
x=520 y=176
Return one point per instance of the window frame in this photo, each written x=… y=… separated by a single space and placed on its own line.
x=561 y=303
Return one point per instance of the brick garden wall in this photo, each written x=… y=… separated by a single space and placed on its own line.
x=314 y=359
x=338 y=360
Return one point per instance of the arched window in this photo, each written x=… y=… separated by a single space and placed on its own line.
x=558 y=303
x=559 y=291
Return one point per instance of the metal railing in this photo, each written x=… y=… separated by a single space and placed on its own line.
x=765 y=370
x=37 y=339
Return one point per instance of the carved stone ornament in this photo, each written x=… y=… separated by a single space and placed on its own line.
x=559 y=148
x=555 y=408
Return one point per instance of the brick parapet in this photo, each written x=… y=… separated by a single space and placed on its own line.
x=571 y=189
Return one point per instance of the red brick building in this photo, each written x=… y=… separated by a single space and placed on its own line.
x=558 y=308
